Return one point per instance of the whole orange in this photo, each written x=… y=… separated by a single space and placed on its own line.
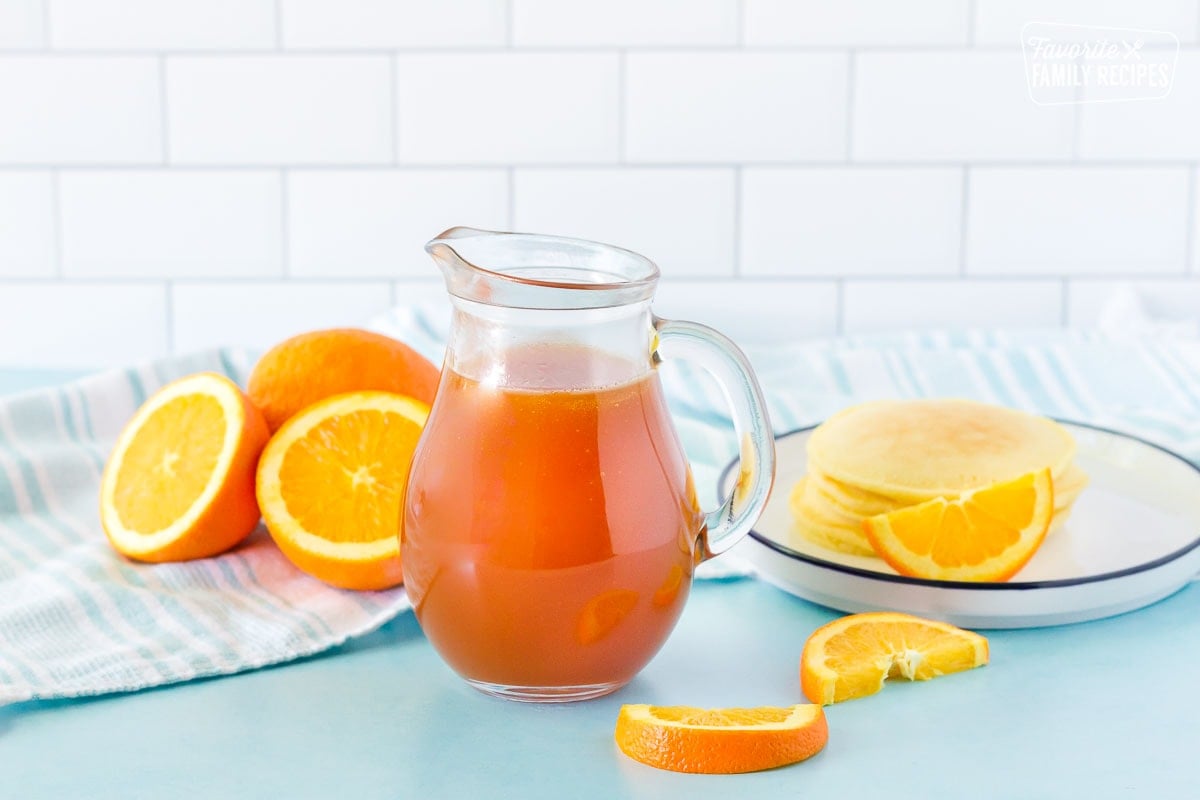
x=301 y=370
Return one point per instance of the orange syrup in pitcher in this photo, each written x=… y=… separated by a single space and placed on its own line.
x=550 y=539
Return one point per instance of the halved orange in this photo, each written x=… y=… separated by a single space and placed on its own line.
x=722 y=740
x=309 y=367
x=179 y=484
x=331 y=486
x=853 y=656
x=984 y=535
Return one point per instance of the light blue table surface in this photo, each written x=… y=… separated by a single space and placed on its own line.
x=1096 y=710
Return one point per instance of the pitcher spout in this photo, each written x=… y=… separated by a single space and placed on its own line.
x=443 y=246
x=523 y=270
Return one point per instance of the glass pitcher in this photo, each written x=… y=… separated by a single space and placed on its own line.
x=551 y=525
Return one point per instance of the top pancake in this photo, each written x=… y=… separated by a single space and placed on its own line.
x=920 y=449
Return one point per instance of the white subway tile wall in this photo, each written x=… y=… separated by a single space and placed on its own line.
x=754 y=312
x=164 y=223
x=999 y=22
x=870 y=306
x=22 y=25
x=624 y=206
x=735 y=106
x=27 y=238
x=1166 y=129
x=812 y=221
x=1167 y=301
x=348 y=223
x=162 y=24
x=624 y=23
x=878 y=23
x=73 y=325
x=504 y=108
x=384 y=24
x=176 y=174
x=69 y=109
x=259 y=314
x=279 y=110
x=1078 y=220
x=952 y=105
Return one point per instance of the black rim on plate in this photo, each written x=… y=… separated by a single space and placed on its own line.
x=784 y=550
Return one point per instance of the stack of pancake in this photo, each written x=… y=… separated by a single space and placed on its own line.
x=885 y=455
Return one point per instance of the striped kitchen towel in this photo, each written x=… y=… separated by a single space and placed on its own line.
x=78 y=619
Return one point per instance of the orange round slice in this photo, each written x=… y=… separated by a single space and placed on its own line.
x=984 y=535
x=179 y=484
x=722 y=740
x=853 y=656
x=331 y=486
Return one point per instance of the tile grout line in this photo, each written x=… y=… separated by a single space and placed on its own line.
x=1064 y=302
x=964 y=216
x=394 y=105
x=1076 y=133
x=621 y=99
x=950 y=279
x=419 y=166
x=738 y=178
x=851 y=78
x=698 y=49
x=972 y=20
x=47 y=45
x=1189 y=248
x=740 y=24
x=509 y=16
x=285 y=249
x=1077 y=122
x=278 y=24
x=57 y=222
x=840 y=317
x=512 y=198
x=559 y=49
x=169 y=288
x=164 y=125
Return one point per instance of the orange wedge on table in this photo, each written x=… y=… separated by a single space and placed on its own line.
x=179 y=484
x=853 y=656
x=984 y=535
x=331 y=486
x=725 y=740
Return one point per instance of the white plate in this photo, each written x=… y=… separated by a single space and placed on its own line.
x=1133 y=538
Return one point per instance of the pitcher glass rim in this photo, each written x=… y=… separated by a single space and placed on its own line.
x=540 y=271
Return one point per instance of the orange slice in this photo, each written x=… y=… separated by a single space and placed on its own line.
x=603 y=613
x=984 y=535
x=668 y=590
x=853 y=656
x=723 y=740
x=331 y=486
x=179 y=484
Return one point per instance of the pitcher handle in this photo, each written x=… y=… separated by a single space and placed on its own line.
x=726 y=525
